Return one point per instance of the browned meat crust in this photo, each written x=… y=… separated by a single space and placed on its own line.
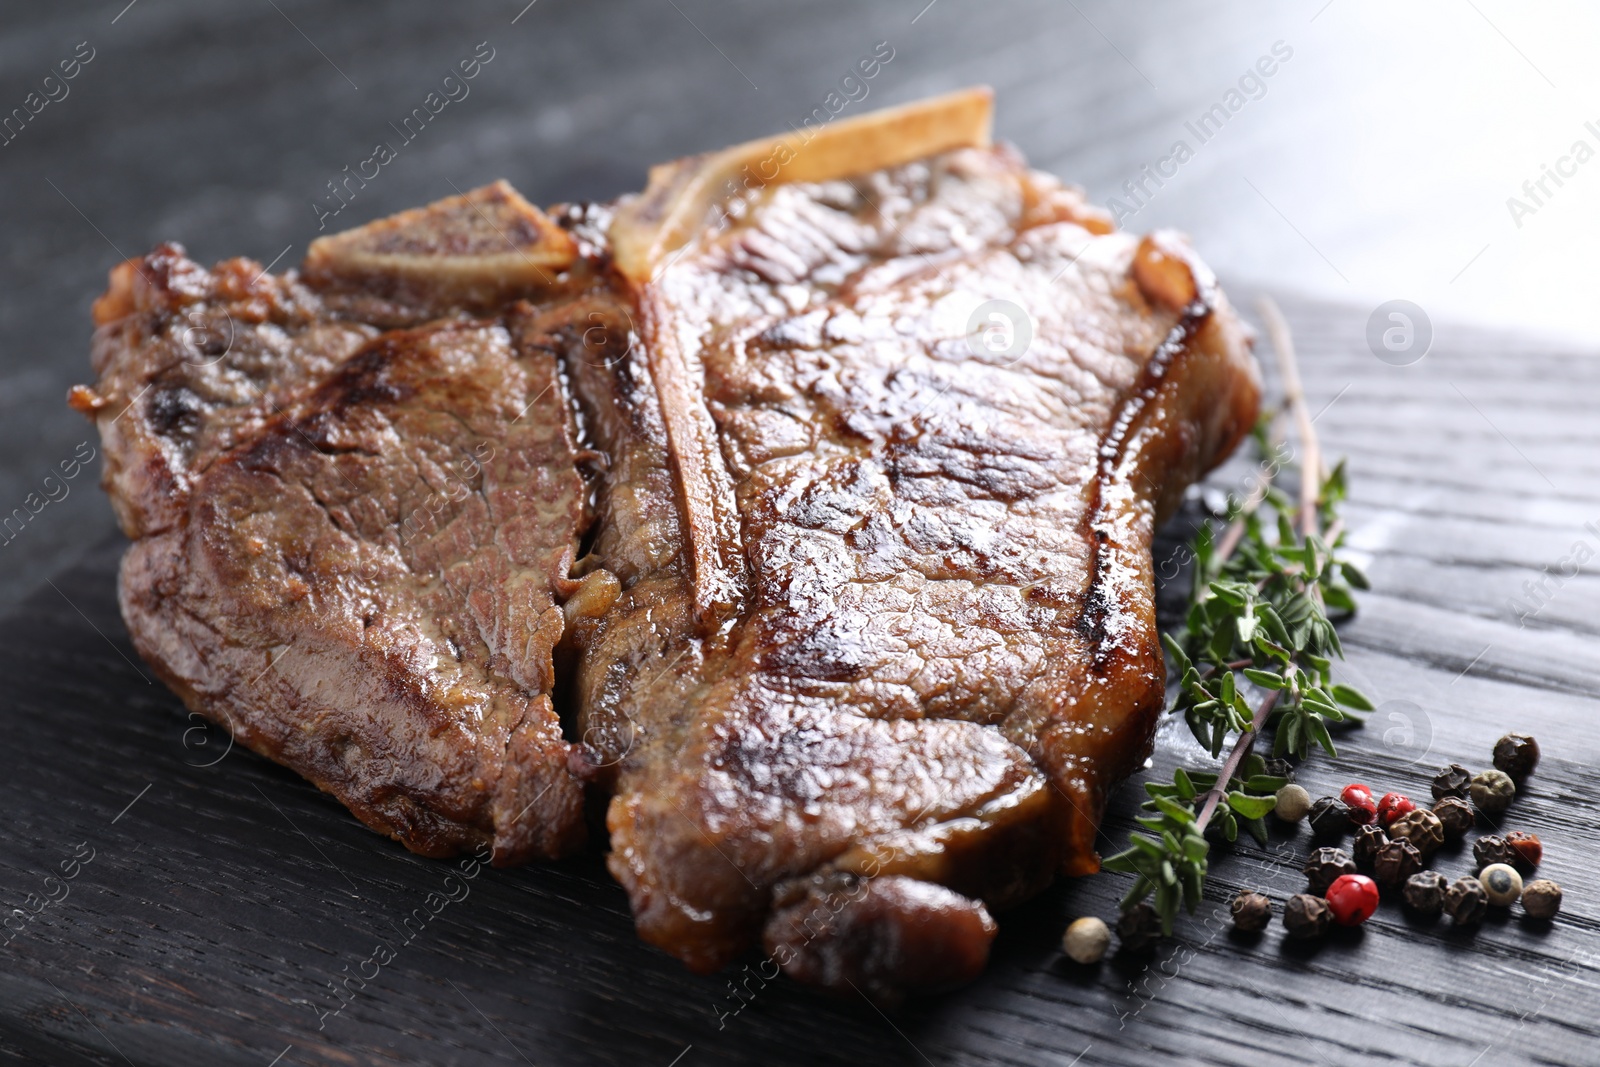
x=853 y=611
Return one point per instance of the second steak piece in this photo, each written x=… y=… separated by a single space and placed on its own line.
x=886 y=469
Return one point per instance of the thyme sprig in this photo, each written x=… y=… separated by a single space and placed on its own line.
x=1258 y=625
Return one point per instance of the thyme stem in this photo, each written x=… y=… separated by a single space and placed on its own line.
x=1311 y=472
x=1310 y=480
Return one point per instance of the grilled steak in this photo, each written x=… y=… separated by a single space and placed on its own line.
x=910 y=642
x=351 y=544
x=822 y=474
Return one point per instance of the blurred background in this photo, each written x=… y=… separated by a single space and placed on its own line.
x=1375 y=162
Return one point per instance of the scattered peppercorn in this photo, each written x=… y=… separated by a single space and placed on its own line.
x=1358 y=798
x=1492 y=791
x=1306 y=916
x=1329 y=818
x=1369 y=839
x=1491 y=849
x=1251 y=911
x=1352 y=898
x=1456 y=815
x=1324 y=865
x=1541 y=899
x=1501 y=883
x=1293 y=803
x=1396 y=862
x=1138 y=928
x=1392 y=806
x=1424 y=892
x=1422 y=828
x=1517 y=755
x=1280 y=768
x=1527 y=849
x=1086 y=940
x=1465 y=901
x=1451 y=781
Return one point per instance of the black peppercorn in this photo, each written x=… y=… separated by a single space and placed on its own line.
x=1492 y=791
x=1492 y=848
x=1324 y=866
x=1421 y=827
x=1138 y=928
x=1424 y=892
x=1456 y=815
x=1451 y=781
x=1306 y=916
x=1396 y=862
x=1516 y=754
x=1280 y=768
x=1541 y=899
x=1465 y=901
x=1251 y=911
x=1369 y=839
x=1329 y=817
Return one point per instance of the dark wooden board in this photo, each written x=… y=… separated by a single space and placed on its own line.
x=222 y=899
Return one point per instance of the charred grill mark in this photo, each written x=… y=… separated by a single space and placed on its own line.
x=364 y=379
x=175 y=411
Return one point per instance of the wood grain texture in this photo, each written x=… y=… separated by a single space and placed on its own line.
x=221 y=904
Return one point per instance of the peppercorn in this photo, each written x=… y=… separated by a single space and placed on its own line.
x=1491 y=849
x=1465 y=901
x=1293 y=803
x=1306 y=916
x=1516 y=754
x=1138 y=928
x=1392 y=806
x=1369 y=839
x=1422 y=828
x=1424 y=892
x=1358 y=798
x=1324 y=865
x=1352 y=898
x=1527 y=849
x=1492 y=791
x=1501 y=883
x=1251 y=911
x=1086 y=940
x=1456 y=815
x=1329 y=818
x=1397 y=861
x=1541 y=899
x=1451 y=781
x=1279 y=768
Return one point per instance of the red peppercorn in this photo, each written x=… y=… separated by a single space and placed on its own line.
x=1526 y=848
x=1358 y=798
x=1392 y=806
x=1352 y=898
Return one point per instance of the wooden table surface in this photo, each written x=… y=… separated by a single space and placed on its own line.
x=215 y=896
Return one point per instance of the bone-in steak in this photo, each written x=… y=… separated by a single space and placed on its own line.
x=816 y=483
x=350 y=545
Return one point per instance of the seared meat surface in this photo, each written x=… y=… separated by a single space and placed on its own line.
x=824 y=509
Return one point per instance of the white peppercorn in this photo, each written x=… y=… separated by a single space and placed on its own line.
x=1501 y=883
x=1541 y=899
x=1293 y=803
x=1086 y=940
